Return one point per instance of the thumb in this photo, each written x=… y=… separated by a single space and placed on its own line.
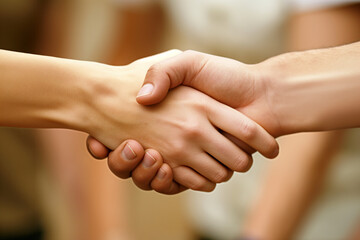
x=168 y=74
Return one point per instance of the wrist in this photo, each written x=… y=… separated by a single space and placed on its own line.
x=289 y=95
x=109 y=103
x=315 y=90
x=83 y=79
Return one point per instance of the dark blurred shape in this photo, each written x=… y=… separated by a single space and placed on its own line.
x=19 y=155
x=19 y=23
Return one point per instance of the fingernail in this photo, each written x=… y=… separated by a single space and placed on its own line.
x=145 y=90
x=128 y=153
x=148 y=160
x=161 y=173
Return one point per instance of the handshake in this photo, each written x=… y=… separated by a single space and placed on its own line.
x=219 y=111
x=194 y=137
x=195 y=120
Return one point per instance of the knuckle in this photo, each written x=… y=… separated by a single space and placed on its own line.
x=143 y=186
x=189 y=52
x=220 y=176
x=209 y=188
x=248 y=130
x=229 y=175
x=177 y=151
x=192 y=130
x=241 y=163
x=198 y=185
x=192 y=53
x=155 y=68
x=174 y=51
x=160 y=188
x=273 y=149
x=202 y=185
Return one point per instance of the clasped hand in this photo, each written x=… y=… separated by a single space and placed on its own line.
x=192 y=140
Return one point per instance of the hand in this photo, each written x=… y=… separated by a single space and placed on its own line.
x=231 y=82
x=142 y=175
x=187 y=139
x=196 y=129
x=146 y=168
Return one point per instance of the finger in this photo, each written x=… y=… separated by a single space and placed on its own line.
x=96 y=148
x=239 y=143
x=124 y=159
x=209 y=167
x=193 y=180
x=146 y=171
x=226 y=152
x=164 y=181
x=168 y=74
x=243 y=128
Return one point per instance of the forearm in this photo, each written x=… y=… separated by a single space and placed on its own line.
x=40 y=91
x=315 y=90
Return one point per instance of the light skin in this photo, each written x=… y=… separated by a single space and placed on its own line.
x=87 y=188
x=305 y=158
x=100 y=100
x=290 y=93
x=285 y=94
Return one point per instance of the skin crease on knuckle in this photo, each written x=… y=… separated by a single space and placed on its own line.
x=248 y=130
x=163 y=186
x=221 y=176
x=154 y=70
x=242 y=163
x=201 y=185
x=192 y=129
x=161 y=127
x=272 y=149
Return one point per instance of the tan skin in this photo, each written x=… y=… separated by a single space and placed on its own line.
x=87 y=185
x=190 y=128
x=316 y=144
x=268 y=98
x=305 y=158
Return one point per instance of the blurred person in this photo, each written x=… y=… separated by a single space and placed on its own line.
x=316 y=145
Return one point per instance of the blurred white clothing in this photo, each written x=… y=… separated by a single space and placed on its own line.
x=310 y=5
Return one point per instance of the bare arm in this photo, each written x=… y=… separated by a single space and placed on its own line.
x=294 y=92
x=39 y=91
x=317 y=90
x=296 y=176
x=100 y=99
x=313 y=90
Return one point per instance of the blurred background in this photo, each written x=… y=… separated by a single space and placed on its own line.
x=51 y=189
